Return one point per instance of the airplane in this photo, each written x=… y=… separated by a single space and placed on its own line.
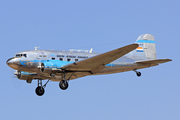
x=64 y=66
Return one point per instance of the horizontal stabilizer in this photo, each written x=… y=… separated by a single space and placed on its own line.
x=157 y=61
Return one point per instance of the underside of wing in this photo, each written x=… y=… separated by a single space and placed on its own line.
x=98 y=62
x=76 y=75
x=69 y=75
x=157 y=61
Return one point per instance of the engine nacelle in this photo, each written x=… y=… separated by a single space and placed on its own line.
x=34 y=66
x=49 y=66
x=24 y=75
x=46 y=67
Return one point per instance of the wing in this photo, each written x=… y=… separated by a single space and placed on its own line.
x=98 y=62
x=157 y=61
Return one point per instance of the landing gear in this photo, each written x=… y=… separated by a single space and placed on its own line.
x=40 y=89
x=63 y=84
x=137 y=73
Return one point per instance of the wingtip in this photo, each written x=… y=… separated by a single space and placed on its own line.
x=135 y=45
x=169 y=60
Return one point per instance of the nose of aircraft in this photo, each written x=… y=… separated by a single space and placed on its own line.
x=13 y=63
x=9 y=61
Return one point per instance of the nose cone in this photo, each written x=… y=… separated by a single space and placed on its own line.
x=13 y=63
x=9 y=61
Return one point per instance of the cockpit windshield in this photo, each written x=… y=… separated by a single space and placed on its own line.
x=21 y=55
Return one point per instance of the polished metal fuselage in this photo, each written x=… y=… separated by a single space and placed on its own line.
x=35 y=57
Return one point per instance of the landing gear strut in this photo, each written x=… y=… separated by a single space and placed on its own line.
x=63 y=84
x=40 y=89
x=137 y=73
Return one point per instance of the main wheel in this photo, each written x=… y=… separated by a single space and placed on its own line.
x=63 y=85
x=39 y=91
x=138 y=74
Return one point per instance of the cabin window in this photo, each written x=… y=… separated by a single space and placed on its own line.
x=61 y=59
x=53 y=58
x=68 y=59
x=40 y=55
x=76 y=60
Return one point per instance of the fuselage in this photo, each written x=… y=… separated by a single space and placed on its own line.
x=31 y=61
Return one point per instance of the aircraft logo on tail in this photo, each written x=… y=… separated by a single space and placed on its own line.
x=139 y=49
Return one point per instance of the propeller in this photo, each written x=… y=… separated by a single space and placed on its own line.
x=17 y=73
x=16 y=83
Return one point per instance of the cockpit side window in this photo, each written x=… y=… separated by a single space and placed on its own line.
x=25 y=55
x=20 y=55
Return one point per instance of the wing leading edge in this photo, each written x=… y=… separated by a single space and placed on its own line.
x=98 y=62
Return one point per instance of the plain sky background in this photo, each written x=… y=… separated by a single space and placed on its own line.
x=84 y=24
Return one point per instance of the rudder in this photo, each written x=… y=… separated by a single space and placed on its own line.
x=147 y=45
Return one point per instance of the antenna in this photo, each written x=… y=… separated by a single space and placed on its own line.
x=36 y=48
x=91 y=50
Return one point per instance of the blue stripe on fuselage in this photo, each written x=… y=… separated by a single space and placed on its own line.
x=59 y=63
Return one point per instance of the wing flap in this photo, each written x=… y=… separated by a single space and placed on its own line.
x=98 y=62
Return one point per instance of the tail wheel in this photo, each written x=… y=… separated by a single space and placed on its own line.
x=138 y=74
